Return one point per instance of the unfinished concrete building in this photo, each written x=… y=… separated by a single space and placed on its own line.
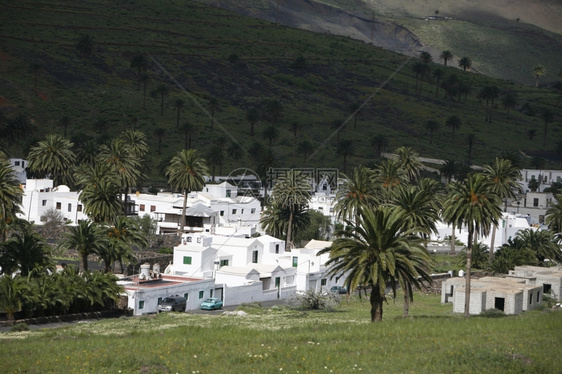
x=510 y=295
x=550 y=279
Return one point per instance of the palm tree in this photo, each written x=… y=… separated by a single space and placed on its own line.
x=135 y=141
x=86 y=238
x=448 y=170
x=503 y=177
x=13 y=293
x=162 y=91
x=235 y=151
x=389 y=175
x=437 y=74
x=490 y=94
x=471 y=139
x=215 y=158
x=426 y=57
x=451 y=86
x=547 y=116
x=188 y=131
x=355 y=109
x=10 y=197
x=376 y=253
x=471 y=203
x=554 y=215
x=101 y=199
x=509 y=100
x=178 y=105
x=295 y=127
x=213 y=105
x=379 y=142
x=454 y=123
x=87 y=152
x=431 y=126
x=537 y=72
x=446 y=56
x=85 y=45
x=355 y=193
x=345 y=149
x=25 y=251
x=273 y=110
x=305 y=148
x=420 y=69
x=53 y=157
x=140 y=63
x=159 y=132
x=144 y=79
x=270 y=133
x=544 y=243
x=465 y=63
x=36 y=70
x=65 y=121
x=409 y=162
x=253 y=116
x=186 y=172
x=127 y=234
x=292 y=192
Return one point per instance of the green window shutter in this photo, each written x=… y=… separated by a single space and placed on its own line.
x=201 y=294
x=141 y=304
x=186 y=260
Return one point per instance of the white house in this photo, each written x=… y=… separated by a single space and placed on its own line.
x=19 y=165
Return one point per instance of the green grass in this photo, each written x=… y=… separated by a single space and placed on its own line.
x=433 y=340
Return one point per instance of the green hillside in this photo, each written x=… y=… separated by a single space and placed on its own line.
x=242 y=63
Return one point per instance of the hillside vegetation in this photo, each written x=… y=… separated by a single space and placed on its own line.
x=232 y=64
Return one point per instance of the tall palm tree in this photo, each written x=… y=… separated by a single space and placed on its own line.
x=538 y=72
x=547 y=116
x=292 y=192
x=295 y=127
x=305 y=148
x=36 y=69
x=25 y=251
x=375 y=254
x=431 y=126
x=139 y=62
x=144 y=79
x=389 y=175
x=186 y=173
x=471 y=203
x=437 y=74
x=159 y=132
x=253 y=116
x=10 y=197
x=213 y=105
x=188 y=131
x=426 y=57
x=273 y=110
x=454 y=123
x=87 y=152
x=270 y=133
x=85 y=45
x=86 y=238
x=135 y=141
x=101 y=200
x=162 y=90
x=356 y=192
x=409 y=162
x=446 y=56
x=465 y=63
x=380 y=142
x=503 y=177
x=53 y=157
x=345 y=149
x=123 y=235
x=178 y=105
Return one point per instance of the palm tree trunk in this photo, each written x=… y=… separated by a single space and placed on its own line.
x=406 y=300
x=289 y=232
x=83 y=266
x=184 y=207
x=492 y=242
x=468 y=275
x=453 y=240
x=376 y=304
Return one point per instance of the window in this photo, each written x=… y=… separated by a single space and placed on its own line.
x=187 y=260
x=70 y=207
x=58 y=206
x=186 y=295
x=79 y=208
x=253 y=210
x=538 y=296
x=535 y=202
x=323 y=282
x=159 y=300
x=276 y=248
x=277 y=281
x=242 y=211
x=223 y=263
x=295 y=261
x=141 y=304
x=211 y=293
x=530 y=298
x=233 y=211
x=141 y=208
x=44 y=203
x=152 y=208
x=228 y=192
x=17 y=163
x=255 y=257
x=201 y=294
x=222 y=213
x=546 y=288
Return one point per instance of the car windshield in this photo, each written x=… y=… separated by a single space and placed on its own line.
x=168 y=300
x=210 y=301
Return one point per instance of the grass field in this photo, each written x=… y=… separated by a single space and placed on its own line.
x=432 y=340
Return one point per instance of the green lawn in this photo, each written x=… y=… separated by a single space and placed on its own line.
x=284 y=340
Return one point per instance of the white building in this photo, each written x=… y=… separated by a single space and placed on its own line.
x=19 y=165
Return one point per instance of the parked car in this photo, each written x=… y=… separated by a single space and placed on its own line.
x=338 y=289
x=211 y=304
x=172 y=303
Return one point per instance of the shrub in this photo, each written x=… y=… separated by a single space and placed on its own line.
x=19 y=327
x=312 y=300
x=166 y=251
